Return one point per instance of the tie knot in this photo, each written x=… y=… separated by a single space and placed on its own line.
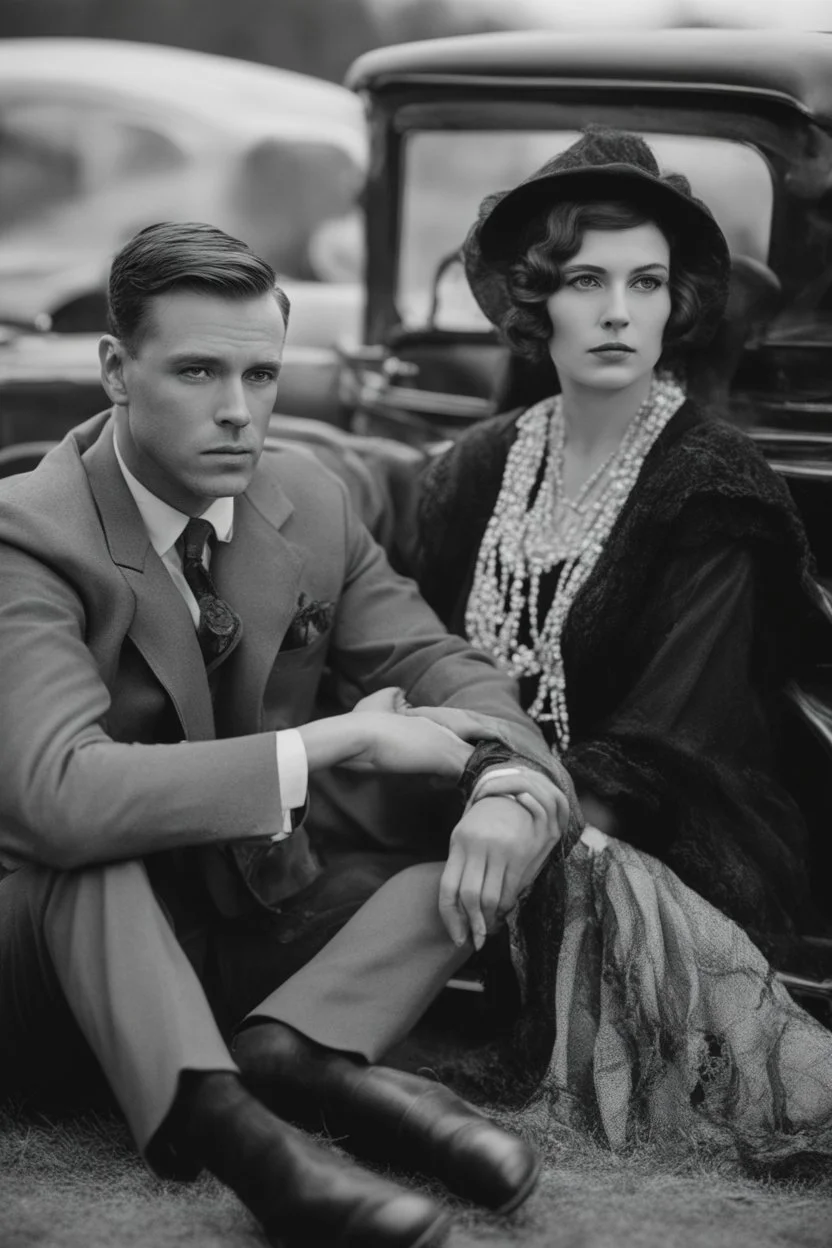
x=194 y=537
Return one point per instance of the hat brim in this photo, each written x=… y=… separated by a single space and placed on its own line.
x=499 y=237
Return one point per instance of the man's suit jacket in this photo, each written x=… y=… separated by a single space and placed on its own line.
x=110 y=733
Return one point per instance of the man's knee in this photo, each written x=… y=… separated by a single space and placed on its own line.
x=420 y=881
x=86 y=909
x=40 y=907
x=106 y=883
x=408 y=904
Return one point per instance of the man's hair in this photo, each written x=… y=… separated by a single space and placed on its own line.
x=182 y=256
x=553 y=239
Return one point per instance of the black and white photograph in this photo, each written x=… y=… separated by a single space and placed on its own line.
x=416 y=624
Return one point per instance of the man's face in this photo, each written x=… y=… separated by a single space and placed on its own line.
x=193 y=404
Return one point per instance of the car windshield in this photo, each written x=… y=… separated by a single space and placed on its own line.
x=448 y=173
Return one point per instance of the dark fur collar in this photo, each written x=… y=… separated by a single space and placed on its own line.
x=701 y=479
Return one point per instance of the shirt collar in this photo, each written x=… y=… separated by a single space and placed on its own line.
x=164 y=524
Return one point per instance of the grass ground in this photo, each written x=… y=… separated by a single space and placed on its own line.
x=76 y=1183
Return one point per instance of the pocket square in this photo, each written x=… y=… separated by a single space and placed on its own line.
x=310 y=621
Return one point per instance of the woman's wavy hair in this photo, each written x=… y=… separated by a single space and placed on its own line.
x=552 y=239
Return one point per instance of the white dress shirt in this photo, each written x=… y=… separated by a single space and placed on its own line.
x=165 y=525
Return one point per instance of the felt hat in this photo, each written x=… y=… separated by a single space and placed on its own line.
x=601 y=164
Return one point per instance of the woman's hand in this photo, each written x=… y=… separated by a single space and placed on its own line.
x=547 y=805
x=497 y=849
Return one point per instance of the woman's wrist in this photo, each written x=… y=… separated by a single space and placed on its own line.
x=490 y=754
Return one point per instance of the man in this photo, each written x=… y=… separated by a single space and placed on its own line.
x=169 y=602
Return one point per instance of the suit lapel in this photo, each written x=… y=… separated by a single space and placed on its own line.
x=162 y=629
x=258 y=572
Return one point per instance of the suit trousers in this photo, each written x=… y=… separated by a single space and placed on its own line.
x=94 y=979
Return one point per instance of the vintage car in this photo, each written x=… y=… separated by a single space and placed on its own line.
x=99 y=138
x=747 y=115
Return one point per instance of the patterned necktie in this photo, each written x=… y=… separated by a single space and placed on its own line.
x=220 y=627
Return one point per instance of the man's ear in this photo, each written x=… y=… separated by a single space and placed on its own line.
x=111 y=355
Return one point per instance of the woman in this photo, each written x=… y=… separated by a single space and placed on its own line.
x=642 y=572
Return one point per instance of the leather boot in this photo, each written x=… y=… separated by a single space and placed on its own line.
x=379 y=1113
x=301 y=1193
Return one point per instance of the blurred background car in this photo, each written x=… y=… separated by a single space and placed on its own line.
x=101 y=137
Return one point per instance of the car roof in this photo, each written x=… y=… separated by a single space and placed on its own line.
x=794 y=66
x=233 y=94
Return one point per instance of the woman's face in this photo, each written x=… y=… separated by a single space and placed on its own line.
x=609 y=315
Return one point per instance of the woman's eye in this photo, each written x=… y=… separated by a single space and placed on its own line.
x=647 y=283
x=584 y=281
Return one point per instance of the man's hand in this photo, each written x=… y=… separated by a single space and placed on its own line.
x=384 y=742
x=472 y=725
x=512 y=823
x=467 y=725
x=391 y=700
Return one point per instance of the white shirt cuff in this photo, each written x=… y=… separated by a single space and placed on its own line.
x=292 y=776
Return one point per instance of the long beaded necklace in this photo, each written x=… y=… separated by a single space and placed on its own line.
x=527 y=537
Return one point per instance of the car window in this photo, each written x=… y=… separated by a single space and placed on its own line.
x=53 y=152
x=448 y=173
x=40 y=163
x=297 y=198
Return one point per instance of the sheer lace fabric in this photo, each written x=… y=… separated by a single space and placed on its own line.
x=671 y=1025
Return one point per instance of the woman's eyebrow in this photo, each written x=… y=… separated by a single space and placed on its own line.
x=597 y=268
x=583 y=268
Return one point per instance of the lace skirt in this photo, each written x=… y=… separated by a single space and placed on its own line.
x=672 y=1027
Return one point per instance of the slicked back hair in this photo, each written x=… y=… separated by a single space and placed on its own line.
x=182 y=256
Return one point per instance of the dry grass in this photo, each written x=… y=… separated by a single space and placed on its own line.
x=76 y=1183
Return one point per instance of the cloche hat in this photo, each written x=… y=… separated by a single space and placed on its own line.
x=602 y=164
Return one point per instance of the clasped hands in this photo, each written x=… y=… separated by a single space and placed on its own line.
x=513 y=819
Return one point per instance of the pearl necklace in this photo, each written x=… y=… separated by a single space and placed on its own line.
x=527 y=537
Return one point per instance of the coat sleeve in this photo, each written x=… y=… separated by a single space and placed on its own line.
x=386 y=634
x=70 y=795
x=686 y=762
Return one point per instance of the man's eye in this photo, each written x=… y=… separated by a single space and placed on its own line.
x=194 y=371
x=262 y=376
